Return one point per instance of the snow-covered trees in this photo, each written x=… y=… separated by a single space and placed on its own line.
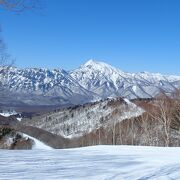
x=117 y=122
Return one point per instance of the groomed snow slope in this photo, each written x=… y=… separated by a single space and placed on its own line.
x=97 y=163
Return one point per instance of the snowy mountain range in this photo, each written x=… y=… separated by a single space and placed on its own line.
x=90 y=82
x=105 y=80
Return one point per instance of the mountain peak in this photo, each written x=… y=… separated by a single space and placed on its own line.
x=97 y=64
x=90 y=62
x=100 y=66
x=93 y=63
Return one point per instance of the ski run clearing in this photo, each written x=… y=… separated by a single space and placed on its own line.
x=96 y=162
x=37 y=144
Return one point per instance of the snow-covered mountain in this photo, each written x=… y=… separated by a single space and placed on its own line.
x=54 y=85
x=83 y=119
x=106 y=80
x=90 y=82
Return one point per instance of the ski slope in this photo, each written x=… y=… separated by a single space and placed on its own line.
x=37 y=144
x=92 y=163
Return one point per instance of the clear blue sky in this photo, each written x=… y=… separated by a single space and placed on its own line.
x=133 y=35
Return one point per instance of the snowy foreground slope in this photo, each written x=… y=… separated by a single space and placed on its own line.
x=98 y=162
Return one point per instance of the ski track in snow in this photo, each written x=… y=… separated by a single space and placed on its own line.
x=92 y=163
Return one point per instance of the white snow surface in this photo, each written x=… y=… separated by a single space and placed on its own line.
x=7 y=114
x=19 y=118
x=37 y=144
x=92 y=163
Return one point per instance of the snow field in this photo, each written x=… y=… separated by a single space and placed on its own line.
x=92 y=163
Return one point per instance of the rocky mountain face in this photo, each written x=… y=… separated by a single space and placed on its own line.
x=42 y=87
x=90 y=82
x=106 y=80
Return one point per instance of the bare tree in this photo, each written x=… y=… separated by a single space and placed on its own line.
x=15 y=6
x=163 y=114
x=19 y=5
x=5 y=62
